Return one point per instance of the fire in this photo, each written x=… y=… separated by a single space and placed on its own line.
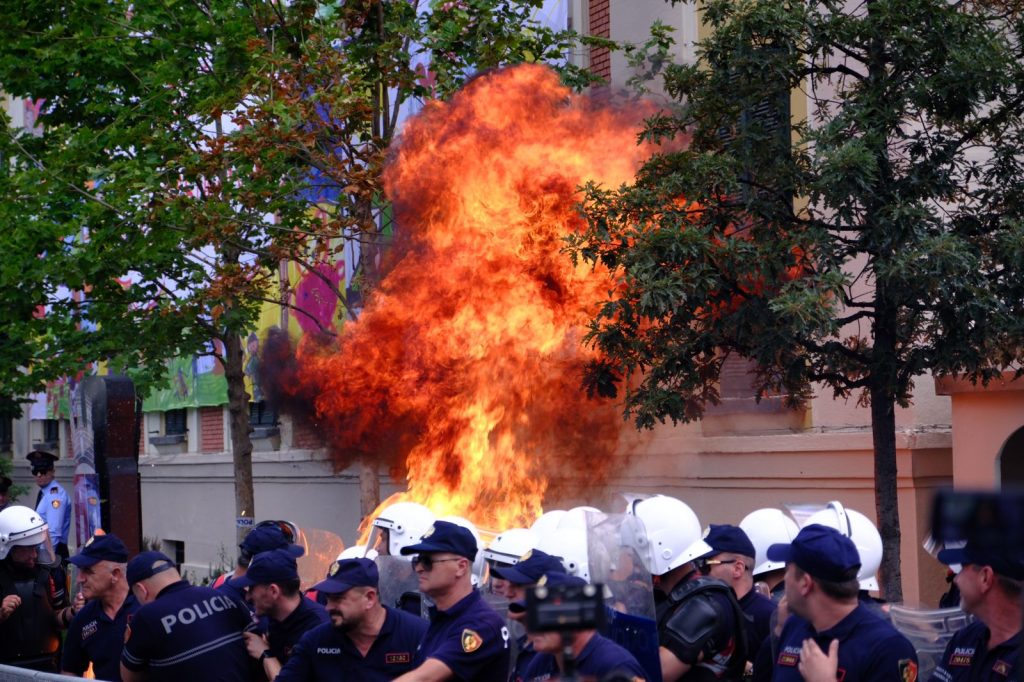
x=463 y=372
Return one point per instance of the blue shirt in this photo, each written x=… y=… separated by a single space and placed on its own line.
x=326 y=654
x=55 y=508
x=470 y=638
x=967 y=657
x=189 y=633
x=870 y=649
x=284 y=635
x=94 y=637
x=598 y=658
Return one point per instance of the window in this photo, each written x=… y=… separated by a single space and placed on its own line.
x=263 y=420
x=51 y=430
x=175 y=422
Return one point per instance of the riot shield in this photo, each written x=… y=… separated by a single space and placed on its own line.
x=929 y=630
x=398 y=585
x=321 y=547
x=615 y=560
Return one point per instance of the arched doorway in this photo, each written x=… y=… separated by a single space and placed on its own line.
x=1011 y=460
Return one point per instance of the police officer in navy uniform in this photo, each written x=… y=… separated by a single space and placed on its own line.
x=466 y=640
x=267 y=535
x=182 y=633
x=52 y=502
x=830 y=634
x=731 y=560
x=272 y=582
x=595 y=656
x=30 y=596
x=96 y=633
x=991 y=581
x=517 y=579
x=364 y=639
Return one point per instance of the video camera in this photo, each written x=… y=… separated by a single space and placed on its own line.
x=565 y=608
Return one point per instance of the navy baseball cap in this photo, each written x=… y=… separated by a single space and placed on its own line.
x=530 y=568
x=345 y=574
x=264 y=539
x=445 y=536
x=1005 y=561
x=823 y=552
x=146 y=565
x=726 y=538
x=100 y=548
x=275 y=566
x=561 y=579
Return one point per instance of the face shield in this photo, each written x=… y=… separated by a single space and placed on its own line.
x=34 y=550
x=379 y=541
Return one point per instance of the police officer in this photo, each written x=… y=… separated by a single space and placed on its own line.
x=267 y=535
x=831 y=635
x=52 y=502
x=182 y=632
x=701 y=629
x=991 y=581
x=517 y=579
x=731 y=560
x=30 y=597
x=272 y=581
x=595 y=656
x=96 y=633
x=466 y=640
x=364 y=639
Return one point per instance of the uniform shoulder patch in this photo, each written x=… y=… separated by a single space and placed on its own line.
x=908 y=670
x=56 y=504
x=471 y=641
x=53 y=489
x=1002 y=668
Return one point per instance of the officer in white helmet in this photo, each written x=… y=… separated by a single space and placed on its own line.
x=399 y=525
x=30 y=598
x=767 y=527
x=700 y=623
x=505 y=550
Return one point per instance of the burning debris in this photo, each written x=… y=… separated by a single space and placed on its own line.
x=463 y=372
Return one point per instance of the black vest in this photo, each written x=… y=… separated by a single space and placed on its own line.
x=30 y=638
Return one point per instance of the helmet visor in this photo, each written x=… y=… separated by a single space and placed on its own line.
x=34 y=549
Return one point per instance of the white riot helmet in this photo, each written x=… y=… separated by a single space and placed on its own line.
x=546 y=522
x=357 y=552
x=569 y=543
x=23 y=527
x=405 y=523
x=862 y=532
x=509 y=545
x=480 y=572
x=673 y=533
x=766 y=527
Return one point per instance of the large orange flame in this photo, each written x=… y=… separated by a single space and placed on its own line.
x=464 y=368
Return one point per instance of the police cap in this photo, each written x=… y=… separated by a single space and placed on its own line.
x=823 y=552
x=345 y=574
x=1006 y=561
x=41 y=460
x=725 y=538
x=147 y=564
x=445 y=536
x=276 y=566
x=101 y=548
x=530 y=568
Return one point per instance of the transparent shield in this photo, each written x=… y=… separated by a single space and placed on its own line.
x=929 y=630
x=397 y=580
x=322 y=547
x=615 y=546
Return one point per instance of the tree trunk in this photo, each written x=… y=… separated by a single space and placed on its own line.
x=241 y=443
x=369 y=487
x=883 y=435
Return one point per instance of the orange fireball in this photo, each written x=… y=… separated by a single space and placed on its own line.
x=463 y=371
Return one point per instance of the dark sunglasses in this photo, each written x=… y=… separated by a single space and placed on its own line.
x=426 y=562
x=37 y=472
x=704 y=565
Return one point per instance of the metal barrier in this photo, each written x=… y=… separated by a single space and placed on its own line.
x=9 y=674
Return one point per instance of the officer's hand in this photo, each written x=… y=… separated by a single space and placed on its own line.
x=9 y=605
x=815 y=665
x=255 y=643
x=79 y=602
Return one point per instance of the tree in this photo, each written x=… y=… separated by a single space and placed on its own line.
x=184 y=147
x=877 y=240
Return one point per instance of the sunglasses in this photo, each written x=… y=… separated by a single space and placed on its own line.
x=704 y=565
x=426 y=562
x=40 y=472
